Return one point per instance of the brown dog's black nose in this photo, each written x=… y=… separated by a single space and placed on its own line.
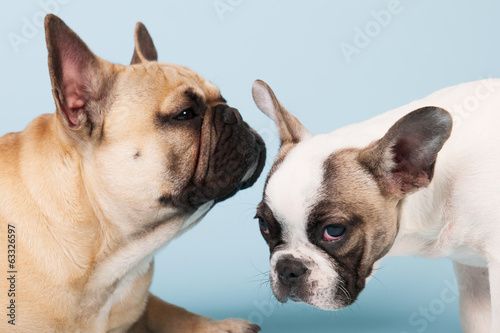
x=290 y=271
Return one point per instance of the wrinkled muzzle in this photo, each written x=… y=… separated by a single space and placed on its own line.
x=231 y=157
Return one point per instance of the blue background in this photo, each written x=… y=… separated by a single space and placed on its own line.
x=220 y=268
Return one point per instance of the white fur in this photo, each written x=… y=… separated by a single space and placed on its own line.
x=457 y=216
x=250 y=172
x=196 y=217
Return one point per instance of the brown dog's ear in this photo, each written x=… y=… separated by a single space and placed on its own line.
x=79 y=79
x=144 y=48
x=404 y=159
x=289 y=128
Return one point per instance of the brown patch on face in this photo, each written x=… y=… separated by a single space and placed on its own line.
x=270 y=228
x=352 y=199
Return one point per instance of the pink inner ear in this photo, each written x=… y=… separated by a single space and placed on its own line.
x=73 y=108
x=73 y=84
x=407 y=176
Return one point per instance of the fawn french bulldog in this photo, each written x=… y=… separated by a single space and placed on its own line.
x=402 y=183
x=132 y=157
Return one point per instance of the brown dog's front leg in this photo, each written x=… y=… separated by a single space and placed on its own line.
x=161 y=316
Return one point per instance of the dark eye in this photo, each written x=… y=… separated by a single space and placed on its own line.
x=185 y=114
x=333 y=233
x=263 y=226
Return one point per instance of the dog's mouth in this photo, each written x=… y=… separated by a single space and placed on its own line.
x=297 y=293
x=322 y=299
x=300 y=282
x=254 y=173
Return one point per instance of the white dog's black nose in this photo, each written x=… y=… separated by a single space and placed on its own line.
x=290 y=271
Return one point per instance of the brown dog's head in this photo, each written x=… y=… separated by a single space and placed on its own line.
x=331 y=203
x=154 y=138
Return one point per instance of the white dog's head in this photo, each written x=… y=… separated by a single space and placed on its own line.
x=330 y=211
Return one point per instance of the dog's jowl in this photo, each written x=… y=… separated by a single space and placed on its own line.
x=407 y=182
x=132 y=157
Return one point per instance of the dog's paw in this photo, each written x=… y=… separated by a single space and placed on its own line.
x=232 y=326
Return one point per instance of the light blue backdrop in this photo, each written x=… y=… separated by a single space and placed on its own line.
x=331 y=63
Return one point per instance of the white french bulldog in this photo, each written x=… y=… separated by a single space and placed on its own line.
x=335 y=204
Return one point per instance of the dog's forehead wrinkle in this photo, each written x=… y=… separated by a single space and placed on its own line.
x=195 y=95
x=182 y=76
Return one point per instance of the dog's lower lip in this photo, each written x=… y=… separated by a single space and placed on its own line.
x=282 y=300
x=261 y=161
x=285 y=298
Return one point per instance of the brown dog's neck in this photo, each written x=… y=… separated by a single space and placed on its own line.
x=49 y=171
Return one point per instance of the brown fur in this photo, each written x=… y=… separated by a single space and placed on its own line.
x=352 y=197
x=83 y=185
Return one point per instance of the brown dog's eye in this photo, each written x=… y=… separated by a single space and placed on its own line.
x=185 y=114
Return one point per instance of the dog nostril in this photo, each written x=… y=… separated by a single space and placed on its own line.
x=290 y=271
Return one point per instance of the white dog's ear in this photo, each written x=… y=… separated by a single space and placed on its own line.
x=289 y=128
x=144 y=50
x=404 y=159
x=80 y=80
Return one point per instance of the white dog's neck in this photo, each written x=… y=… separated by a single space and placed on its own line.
x=422 y=224
x=429 y=227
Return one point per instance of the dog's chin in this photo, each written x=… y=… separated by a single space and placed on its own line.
x=318 y=300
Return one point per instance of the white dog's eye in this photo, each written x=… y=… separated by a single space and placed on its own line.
x=333 y=233
x=263 y=226
x=185 y=114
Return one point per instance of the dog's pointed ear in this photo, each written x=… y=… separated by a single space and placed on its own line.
x=79 y=78
x=404 y=159
x=289 y=128
x=144 y=50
